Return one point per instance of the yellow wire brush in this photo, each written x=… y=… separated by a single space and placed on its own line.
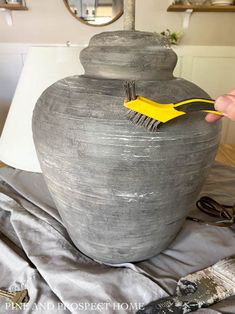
x=148 y=113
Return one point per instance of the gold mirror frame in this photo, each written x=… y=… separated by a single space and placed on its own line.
x=66 y=2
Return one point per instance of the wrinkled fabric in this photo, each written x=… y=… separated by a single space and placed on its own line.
x=37 y=254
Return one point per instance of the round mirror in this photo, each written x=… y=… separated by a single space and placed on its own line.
x=95 y=12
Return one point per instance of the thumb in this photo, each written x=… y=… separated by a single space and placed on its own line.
x=226 y=105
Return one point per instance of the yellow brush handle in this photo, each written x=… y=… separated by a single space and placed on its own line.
x=214 y=112
x=167 y=112
x=194 y=100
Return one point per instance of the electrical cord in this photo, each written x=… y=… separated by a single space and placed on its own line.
x=209 y=206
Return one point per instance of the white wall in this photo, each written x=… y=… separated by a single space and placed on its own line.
x=11 y=62
x=213 y=69
x=48 y=21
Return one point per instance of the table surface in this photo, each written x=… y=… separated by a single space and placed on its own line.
x=226 y=154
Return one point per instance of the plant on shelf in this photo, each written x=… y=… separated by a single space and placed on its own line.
x=172 y=37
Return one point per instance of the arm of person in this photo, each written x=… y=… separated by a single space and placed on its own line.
x=226 y=105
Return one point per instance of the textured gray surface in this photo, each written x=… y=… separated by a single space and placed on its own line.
x=122 y=192
x=128 y=55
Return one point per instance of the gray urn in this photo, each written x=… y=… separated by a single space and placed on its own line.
x=122 y=191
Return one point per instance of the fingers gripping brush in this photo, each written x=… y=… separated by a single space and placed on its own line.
x=198 y=290
x=150 y=114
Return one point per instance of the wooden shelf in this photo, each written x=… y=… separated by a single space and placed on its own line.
x=19 y=7
x=201 y=8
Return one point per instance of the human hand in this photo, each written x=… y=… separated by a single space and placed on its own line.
x=224 y=104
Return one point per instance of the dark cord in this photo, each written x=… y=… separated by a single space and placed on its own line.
x=211 y=207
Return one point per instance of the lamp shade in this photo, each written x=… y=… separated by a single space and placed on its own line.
x=43 y=67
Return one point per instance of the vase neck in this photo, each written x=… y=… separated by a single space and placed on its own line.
x=129 y=55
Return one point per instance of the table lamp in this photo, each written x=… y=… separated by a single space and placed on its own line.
x=43 y=67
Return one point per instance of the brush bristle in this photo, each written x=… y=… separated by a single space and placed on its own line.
x=142 y=120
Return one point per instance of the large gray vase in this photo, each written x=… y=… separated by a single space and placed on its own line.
x=122 y=191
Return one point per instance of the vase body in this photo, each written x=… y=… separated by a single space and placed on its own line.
x=122 y=191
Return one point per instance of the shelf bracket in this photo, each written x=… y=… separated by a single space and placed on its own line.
x=187 y=15
x=8 y=16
